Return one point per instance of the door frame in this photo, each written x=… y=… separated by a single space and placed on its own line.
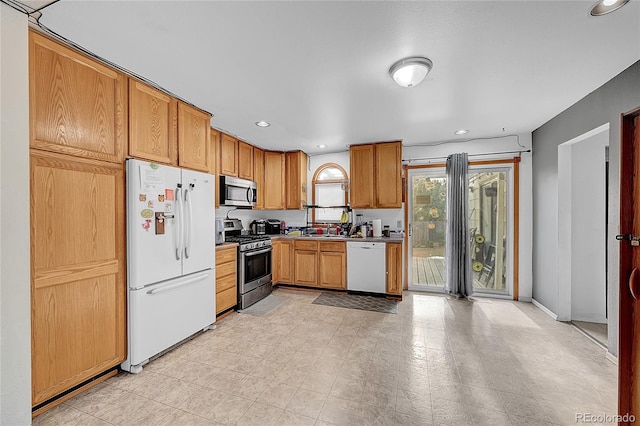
x=515 y=219
x=428 y=170
x=565 y=217
x=626 y=328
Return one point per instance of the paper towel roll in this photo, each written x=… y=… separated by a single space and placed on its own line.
x=377 y=227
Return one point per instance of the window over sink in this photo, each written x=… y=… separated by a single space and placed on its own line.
x=330 y=187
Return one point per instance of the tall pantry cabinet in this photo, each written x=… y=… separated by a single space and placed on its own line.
x=78 y=138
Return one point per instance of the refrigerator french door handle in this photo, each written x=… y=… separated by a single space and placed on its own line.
x=187 y=223
x=178 y=233
x=178 y=284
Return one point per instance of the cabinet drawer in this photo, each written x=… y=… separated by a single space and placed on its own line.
x=336 y=246
x=226 y=255
x=226 y=299
x=224 y=283
x=226 y=269
x=305 y=245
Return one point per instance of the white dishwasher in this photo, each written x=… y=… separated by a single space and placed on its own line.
x=366 y=266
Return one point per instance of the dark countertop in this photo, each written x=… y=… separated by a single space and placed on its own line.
x=226 y=245
x=323 y=237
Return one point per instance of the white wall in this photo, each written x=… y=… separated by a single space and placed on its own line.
x=15 y=314
x=581 y=227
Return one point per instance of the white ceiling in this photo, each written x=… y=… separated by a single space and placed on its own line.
x=318 y=71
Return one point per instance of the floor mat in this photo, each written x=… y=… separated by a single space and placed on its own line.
x=264 y=306
x=355 y=301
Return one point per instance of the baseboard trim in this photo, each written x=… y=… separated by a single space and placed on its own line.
x=544 y=309
x=588 y=336
x=611 y=357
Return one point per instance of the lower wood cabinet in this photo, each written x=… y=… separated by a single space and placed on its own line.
x=282 y=261
x=332 y=258
x=306 y=263
x=226 y=277
x=394 y=268
x=313 y=263
x=78 y=281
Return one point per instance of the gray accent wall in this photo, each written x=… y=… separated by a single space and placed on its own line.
x=604 y=105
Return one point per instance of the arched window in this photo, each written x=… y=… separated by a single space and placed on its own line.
x=330 y=186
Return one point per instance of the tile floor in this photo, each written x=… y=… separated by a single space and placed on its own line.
x=437 y=361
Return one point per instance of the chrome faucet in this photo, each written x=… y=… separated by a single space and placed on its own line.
x=328 y=228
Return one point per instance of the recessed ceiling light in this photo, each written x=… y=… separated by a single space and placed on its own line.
x=607 y=6
x=322 y=146
x=409 y=72
x=262 y=124
x=461 y=132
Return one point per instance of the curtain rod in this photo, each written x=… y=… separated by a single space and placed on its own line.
x=470 y=155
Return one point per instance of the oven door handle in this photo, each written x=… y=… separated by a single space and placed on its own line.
x=255 y=253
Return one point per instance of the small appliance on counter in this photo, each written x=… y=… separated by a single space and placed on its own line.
x=273 y=226
x=258 y=227
x=219 y=231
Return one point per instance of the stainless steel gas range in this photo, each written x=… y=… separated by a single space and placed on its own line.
x=254 y=263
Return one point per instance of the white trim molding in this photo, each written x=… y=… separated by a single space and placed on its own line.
x=544 y=309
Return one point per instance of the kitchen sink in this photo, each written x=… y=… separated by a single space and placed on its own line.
x=325 y=236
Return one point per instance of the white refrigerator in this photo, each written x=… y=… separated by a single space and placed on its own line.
x=170 y=258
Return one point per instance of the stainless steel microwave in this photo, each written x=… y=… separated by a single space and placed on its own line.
x=237 y=192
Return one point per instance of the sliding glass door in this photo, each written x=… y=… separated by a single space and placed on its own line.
x=427 y=216
x=489 y=229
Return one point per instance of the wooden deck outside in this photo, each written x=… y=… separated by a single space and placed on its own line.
x=429 y=271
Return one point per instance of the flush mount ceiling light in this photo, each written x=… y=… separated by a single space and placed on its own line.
x=322 y=146
x=461 y=132
x=409 y=72
x=607 y=6
x=262 y=124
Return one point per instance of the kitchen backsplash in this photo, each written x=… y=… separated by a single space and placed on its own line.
x=394 y=218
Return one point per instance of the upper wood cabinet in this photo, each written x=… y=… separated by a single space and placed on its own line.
x=193 y=138
x=245 y=160
x=78 y=279
x=228 y=155
x=214 y=143
x=77 y=105
x=389 y=175
x=296 y=178
x=394 y=268
x=153 y=120
x=376 y=175
x=274 y=179
x=361 y=185
x=258 y=176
